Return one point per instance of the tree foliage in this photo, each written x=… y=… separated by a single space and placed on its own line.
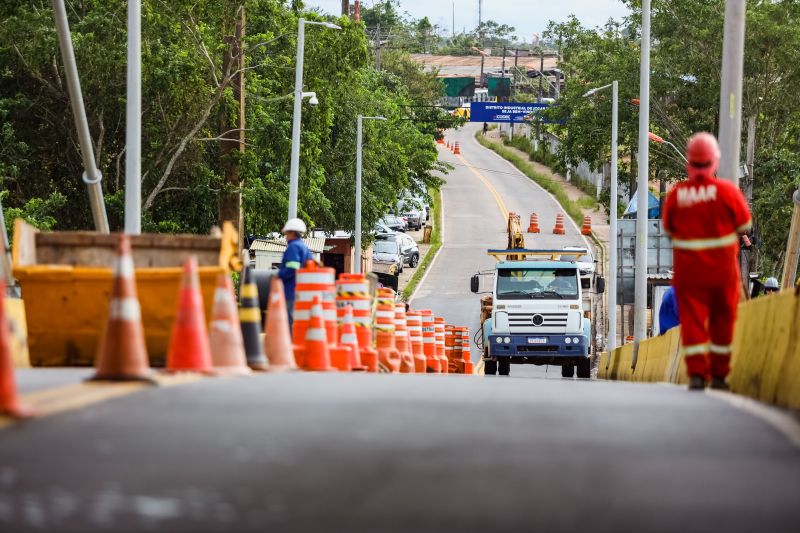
x=686 y=56
x=189 y=101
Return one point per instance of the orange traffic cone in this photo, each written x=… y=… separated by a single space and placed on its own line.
x=402 y=339
x=558 y=229
x=533 y=227
x=188 y=347
x=457 y=149
x=429 y=342
x=316 y=354
x=587 y=226
x=440 y=347
x=448 y=145
x=278 y=340
x=9 y=401
x=122 y=354
x=349 y=337
x=225 y=334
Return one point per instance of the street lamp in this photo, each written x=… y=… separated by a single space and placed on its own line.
x=294 y=170
x=660 y=140
x=611 y=341
x=357 y=236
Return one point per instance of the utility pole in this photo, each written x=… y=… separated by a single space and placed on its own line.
x=454 y=18
x=541 y=74
x=233 y=135
x=730 y=102
x=357 y=10
x=378 y=47
x=346 y=8
x=640 y=280
x=747 y=256
x=793 y=246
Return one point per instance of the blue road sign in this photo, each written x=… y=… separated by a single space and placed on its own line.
x=508 y=112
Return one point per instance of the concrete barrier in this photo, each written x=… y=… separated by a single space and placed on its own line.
x=766 y=353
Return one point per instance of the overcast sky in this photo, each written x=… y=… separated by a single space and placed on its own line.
x=527 y=16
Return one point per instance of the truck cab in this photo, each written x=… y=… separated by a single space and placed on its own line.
x=537 y=314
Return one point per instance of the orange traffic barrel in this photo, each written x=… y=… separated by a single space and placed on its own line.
x=558 y=229
x=465 y=351
x=402 y=340
x=312 y=280
x=352 y=290
x=533 y=227
x=587 y=225
x=429 y=342
x=438 y=323
x=414 y=319
x=388 y=355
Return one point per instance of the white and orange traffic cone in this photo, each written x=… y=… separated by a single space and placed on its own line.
x=225 y=334
x=122 y=355
x=189 y=350
x=316 y=356
x=278 y=340
x=9 y=400
x=414 y=319
x=349 y=337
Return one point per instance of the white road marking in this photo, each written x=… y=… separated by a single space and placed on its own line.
x=436 y=256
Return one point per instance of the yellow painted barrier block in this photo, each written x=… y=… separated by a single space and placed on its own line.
x=15 y=310
x=625 y=356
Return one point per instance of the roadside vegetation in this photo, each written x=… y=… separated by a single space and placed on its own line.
x=436 y=244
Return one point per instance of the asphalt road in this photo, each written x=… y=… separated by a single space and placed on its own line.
x=357 y=452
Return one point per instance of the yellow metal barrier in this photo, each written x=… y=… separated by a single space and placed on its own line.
x=766 y=353
x=15 y=310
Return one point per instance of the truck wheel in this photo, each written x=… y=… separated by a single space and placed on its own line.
x=567 y=371
x=489 y=367
x=503 y=367
x=584 y=368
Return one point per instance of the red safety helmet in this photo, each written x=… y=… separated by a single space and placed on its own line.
x=703 y=154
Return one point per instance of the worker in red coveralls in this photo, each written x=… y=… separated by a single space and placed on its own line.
x=705 y=216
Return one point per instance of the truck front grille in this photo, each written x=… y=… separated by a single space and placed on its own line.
x=548 y=320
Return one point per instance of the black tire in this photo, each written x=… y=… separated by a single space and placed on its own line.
x=584 y=368
x=567 y=371
x=489 y=367
x=504 y=367
x=414 y=261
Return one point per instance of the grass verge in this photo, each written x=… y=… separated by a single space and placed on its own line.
x=573 y=209
x=436 y=243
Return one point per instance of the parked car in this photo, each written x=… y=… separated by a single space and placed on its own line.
x=387 y=258
x=412 y=210
x=408 y=248
x=407 y=201
x=381 y=228
x=394 y=223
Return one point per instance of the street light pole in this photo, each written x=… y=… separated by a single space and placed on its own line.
x=133 y=122
x=640 y=275
x=357 y=236
x=294 y=169
x=294 y=164
x=730 y=102
x=611 y=340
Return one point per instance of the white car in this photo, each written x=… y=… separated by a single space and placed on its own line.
x=586 y=263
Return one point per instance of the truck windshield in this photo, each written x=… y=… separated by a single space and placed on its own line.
x=537 y=283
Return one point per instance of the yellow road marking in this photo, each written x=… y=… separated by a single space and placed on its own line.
x=492 y=190
x=75 y=396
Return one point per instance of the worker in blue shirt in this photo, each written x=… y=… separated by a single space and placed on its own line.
x=295 y=256
x=668 y=313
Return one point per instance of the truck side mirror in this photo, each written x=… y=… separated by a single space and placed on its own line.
x=475 y=284
x=600 y=285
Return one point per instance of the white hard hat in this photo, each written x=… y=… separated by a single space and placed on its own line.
x=771 y=283
x=294 y=224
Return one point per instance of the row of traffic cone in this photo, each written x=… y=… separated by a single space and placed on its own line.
x=559 y=229
x=231 y=345
x=454 y=147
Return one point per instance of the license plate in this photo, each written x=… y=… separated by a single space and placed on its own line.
x=537 y=340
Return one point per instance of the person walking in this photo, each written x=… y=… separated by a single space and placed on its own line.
x=485 y=128
x=705 y=216
x=295 y=257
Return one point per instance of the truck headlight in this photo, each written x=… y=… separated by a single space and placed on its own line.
x=499 y=339
x=576 y=340
x=568 y=340
x=507 y=340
